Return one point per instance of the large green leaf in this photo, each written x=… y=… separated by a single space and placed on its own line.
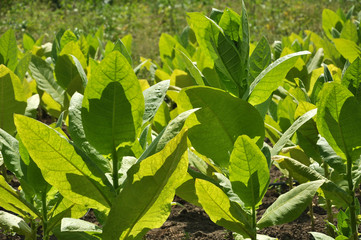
x=330 y=20
x=156 y=178
x=119 y=46
x=8 y=49
x=9 y=147
x=339 y=119
x=43 y=75
x=77 y=134
x=11 y=200
x=221 y=210
x=113 y=105
x=290 y=205
x=291 y=130
x=259 y=60
x=271 y=78
x=248 y=171
x=61 y=166
x=352 y=78
x=153 y=98
x=347 y=48
x=222 y=118
x=12 y=98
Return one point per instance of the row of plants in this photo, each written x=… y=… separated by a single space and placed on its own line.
x=124 y=146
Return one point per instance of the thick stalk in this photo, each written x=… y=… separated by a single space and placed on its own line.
x=115 y=169
x=352 y=193
x=330 y=230
x=312 y=218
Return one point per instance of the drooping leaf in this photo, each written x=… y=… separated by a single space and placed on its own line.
x=61 y=166
x=321 y=236
x=156 y=178
x=78 y=225
x=113 y=105
x=271 y=78
x=221 y=210
x=43 y=74
x=248 y=171
x=12 y=98
x=222 y=118
x=153 y=98
x=14 y=223
x=8 y=49
x=290 y=205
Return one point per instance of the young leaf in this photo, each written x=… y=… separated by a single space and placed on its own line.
x=119 y=46
x=8 y=49
x=12 y=98
x=60 y=165
x=78 y=225
x=352 y=78
x=221 y=210
x=291 y=130
x=113 y=105
x=156 y=178
x=259 y=60
x=222 y=118
x=289 y=205
x=153 y=98
x=43 y=75
x=248 y=171
x=271 y=78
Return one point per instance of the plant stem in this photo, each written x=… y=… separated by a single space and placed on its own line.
x=312 y=218
x=254 y=223
x=45 y=215
x=352 y=194
x=330 y=230
x=115 y=169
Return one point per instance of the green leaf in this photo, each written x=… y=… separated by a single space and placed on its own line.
x=222 y=118
x=61 y=166
x=221 y=210
x=14 y=223
x=339 y=119
x=11 y=200
x=9 y=147
x=290 y=205
x=43 y=75
x=192 y=68
x=330 y=20
x=259 y=60
x=271 y=78
x=23 y=66
x=153 y=98
x=352 y=78
x=28 y=41
x=113 y=105
x=291 y=130
x=119 y=46
x=248 y=171
x=347 y=48
x=77 y=134
x=8 y=49
x=67 y=37
x=78 y=225
x=349 y=31
x=156 y=178
x=32 y=106
x=321 y=236
x=12 y=98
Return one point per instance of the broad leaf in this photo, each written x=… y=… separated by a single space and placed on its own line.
x=77 y=134
x=330 y=20
x=119 y=46
x=248 y=171
x=8 y=49
x=9 y=147
x=221 y=210
x=113 y=105
x=153 y=98
x=156 y=178
x=259 y=60
x=43 y=74
x=347 y=48
x=14 y=223
x=271 y=78
x=321 y=236
x=352 y=78
x=222 y=118
x=290 y=205
x=78 y=225
x=61 y=166
x=12 y=98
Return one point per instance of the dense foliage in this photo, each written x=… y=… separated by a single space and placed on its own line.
x=124 y=146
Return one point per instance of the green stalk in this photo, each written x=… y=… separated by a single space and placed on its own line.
x=254 y=223
x=45 y=216
x=115 y=169
x=352 y=194
x=312 y=217
x=330 y=230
